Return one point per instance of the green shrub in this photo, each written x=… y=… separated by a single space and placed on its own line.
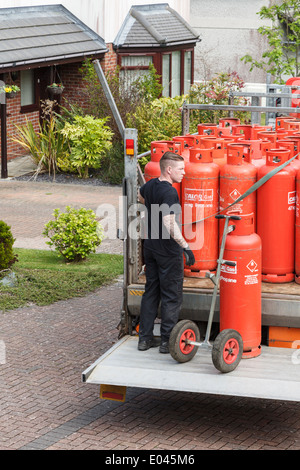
x=74 y=233
x=160 y=120
x=112 y=168
x=89 y=139
x=46 y=146
x=216 y=91
x=7 y=257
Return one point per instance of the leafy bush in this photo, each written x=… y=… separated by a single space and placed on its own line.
x=160 y=120
x=147 y=87
x=46 y=146
x=74 y=233
x=112 y=168
x=89 y=139
x=7 y=257
x=282 y=31
x=216 y=91
x=128 y=97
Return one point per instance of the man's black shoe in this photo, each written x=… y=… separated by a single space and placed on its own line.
x=150 y=343
x=164 y=347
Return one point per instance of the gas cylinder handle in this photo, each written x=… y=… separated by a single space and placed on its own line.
x=232 y=217
x=229 y=263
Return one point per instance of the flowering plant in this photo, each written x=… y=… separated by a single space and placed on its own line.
x=9 y=89
x=56 y=86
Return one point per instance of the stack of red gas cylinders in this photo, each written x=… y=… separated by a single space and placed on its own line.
x=222 y=162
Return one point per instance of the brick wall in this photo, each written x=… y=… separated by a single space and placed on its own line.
x=15 y=118
x=109 y=62
x=72 y=80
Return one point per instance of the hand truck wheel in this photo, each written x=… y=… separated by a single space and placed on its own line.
x=182 y=333
x=227 y=350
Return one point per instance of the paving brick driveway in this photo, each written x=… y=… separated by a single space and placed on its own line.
x=44 y=404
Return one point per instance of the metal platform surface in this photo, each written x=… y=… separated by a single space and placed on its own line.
x=280 y=302
x=275 y=374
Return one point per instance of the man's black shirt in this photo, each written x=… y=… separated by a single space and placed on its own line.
x=161 y=199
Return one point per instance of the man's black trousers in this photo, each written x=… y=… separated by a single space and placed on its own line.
x=164 y=283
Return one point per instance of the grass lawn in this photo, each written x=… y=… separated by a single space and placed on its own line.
x=44 y=277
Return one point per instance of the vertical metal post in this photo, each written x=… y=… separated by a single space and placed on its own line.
x=286 y=102
x=255 y=117
x=270 y=117
x=4 y=172
x=185 y=117
x=131 y=177
x=231 y=102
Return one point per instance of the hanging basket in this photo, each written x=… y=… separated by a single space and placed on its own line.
x=11 y=95
x=10 y=91
x=56 y=89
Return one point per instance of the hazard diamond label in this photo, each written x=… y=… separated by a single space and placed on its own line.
x=252 y=266
x=235 y=194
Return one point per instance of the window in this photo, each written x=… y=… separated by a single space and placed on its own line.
x=166 y=74
x=187 y=71
x=27 y=88
x=177 y=73
x=133 y=67
x=176 y=69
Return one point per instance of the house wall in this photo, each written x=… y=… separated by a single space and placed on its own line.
x=72 y=80
x=229 y=30
x=15 y=118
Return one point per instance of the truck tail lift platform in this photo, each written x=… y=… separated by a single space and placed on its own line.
x=275 y=374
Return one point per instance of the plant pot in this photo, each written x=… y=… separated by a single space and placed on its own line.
x=56 y=90
x=11 y=95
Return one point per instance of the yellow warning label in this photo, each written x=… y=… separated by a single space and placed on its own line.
x=136 y=292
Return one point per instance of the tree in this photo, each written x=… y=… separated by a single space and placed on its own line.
x=281 y=59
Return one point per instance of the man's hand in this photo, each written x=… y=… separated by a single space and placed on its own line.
x=189 y=256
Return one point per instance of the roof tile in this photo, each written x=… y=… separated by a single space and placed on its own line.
x=44 y=33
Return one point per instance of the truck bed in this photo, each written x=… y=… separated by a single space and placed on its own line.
x=280 y=302
x=275 y=374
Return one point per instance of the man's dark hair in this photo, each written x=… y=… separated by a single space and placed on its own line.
x=167 y=157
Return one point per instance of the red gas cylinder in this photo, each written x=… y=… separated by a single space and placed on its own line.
x=289 y=144
x=206 y=128
x=281 y=122
x=254 y=148
x=236 y=177
x=186 y=142
x=296 y=141
x=225 y=127
x=297 y=234
x=243 y=131
x=219 y=146
x=293 y=126
x=283 y=133
x=158 y=148
x=257 y=128
x=222 y=131
x=240 y=285
x=200 y=188
x=229 y=122
x=276 y=218
x=267 y=135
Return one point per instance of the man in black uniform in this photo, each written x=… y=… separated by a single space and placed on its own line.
x=163 y=253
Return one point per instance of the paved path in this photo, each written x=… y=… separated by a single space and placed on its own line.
x=27 y=206
x=44 y=404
